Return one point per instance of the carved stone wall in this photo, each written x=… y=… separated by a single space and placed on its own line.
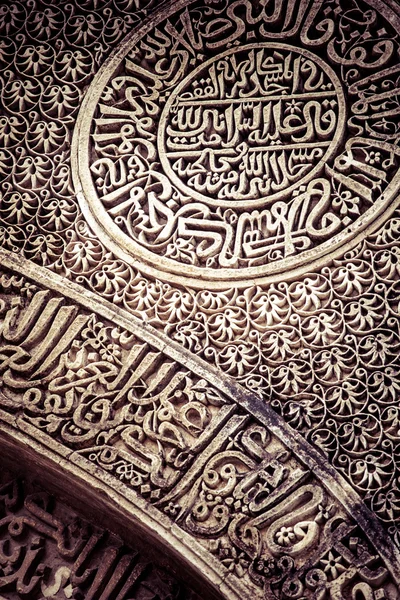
x=48 y=551
x=199 y=282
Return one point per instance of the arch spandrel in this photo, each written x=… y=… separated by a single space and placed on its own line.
x=234 y=402
x=235 y=491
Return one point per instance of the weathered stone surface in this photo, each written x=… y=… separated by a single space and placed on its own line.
x=199 y=287
x=48 y=551
x=167 y=440
x=213 y=166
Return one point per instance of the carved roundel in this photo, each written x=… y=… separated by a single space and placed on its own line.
x=221 y=144
x=248 y=127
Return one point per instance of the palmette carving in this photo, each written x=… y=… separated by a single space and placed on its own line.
x=103 y=393
x=247 y=160
x=129 y=412
x=268 y=521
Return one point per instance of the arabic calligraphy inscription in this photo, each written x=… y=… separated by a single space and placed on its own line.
x=219 y=159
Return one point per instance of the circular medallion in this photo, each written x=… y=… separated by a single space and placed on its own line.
x=248 y=127
x=218 y=146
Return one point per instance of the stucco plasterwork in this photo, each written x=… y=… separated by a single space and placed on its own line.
x=180 y=447
x=199 y=291
x=52 y=552
x=248 y=163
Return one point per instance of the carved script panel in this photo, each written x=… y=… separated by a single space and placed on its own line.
x=256 y=501
x=47 y=551
x=209 y=150
x=224 y=145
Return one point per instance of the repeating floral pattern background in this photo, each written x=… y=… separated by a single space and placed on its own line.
x=323 y=350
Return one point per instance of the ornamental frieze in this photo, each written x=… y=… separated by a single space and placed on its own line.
x=262 y=509
x=50 y=551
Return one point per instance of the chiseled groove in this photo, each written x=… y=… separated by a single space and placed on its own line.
x=252 y=403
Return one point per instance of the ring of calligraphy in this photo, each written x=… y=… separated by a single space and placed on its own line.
x=251 y=125
x=203 y=158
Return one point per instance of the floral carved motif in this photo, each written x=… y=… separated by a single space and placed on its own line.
x=130 y=415
x=235 y=164
x=111 y=397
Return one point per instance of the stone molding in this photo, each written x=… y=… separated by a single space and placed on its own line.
x=37 y=418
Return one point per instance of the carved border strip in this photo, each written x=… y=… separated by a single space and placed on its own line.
x=251 y=403
x=121 y=506
x=54 y=545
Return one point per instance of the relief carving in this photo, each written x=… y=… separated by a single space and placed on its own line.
x=249 y=160
x=233 y=184
x=48 y=551
x=125 y=412
x=102 y=392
